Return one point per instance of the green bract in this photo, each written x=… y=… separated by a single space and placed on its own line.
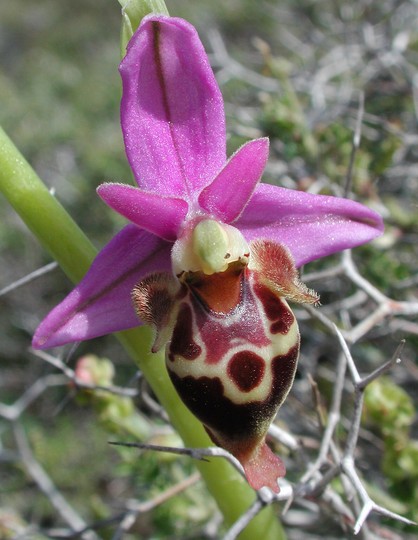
x=133 y=11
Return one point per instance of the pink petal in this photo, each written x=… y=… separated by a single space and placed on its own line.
x=172 y=110
x=230 y=191
x=101 y=303
x=162 y=216
x=311 y=226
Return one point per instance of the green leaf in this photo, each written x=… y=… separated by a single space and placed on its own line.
x=389 y=408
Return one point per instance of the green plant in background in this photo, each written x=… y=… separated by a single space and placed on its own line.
x=326 y=146
x=390 y=410
x=151 y=472
x=282 y=114
x=116 y=413
x=12 y=525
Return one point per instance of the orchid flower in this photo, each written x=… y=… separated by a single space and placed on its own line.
x=210 y=256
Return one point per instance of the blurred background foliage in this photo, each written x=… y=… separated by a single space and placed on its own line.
x=291 y=70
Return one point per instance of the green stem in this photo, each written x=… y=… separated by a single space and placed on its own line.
x=66 y=242
x=42 y=213
x=132 y=15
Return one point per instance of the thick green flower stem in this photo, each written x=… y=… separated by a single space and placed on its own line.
x=65 y=241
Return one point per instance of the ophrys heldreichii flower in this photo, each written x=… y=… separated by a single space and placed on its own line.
x=210 y=256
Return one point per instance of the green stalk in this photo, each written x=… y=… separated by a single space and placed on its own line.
x=68 y=245
x=132 y=14
x=42 y=213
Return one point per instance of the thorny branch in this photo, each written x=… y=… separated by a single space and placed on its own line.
x=45 y=484
x=195 y=453
x=71 y=376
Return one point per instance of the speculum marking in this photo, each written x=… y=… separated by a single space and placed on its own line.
x=182 y=343
x=246 y=369
x=276 y=310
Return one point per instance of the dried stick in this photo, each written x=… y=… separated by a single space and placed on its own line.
x=135 y=508
x=195 y=453
x=45 y=484
x=70 y=374
x=29 y=277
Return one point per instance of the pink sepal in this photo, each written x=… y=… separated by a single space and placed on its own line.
x=172 y=110
x=311 y=226
x=101 y=302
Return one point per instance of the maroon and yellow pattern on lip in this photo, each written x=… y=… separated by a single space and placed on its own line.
x=232 y=351
x=241 y=335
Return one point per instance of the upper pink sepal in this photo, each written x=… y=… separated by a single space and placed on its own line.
x=310 y=226
x=162 y=216
x=172 y=110
x=226 y=196
x=101 y=302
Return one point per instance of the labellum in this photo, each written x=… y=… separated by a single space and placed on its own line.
x=232 y=341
